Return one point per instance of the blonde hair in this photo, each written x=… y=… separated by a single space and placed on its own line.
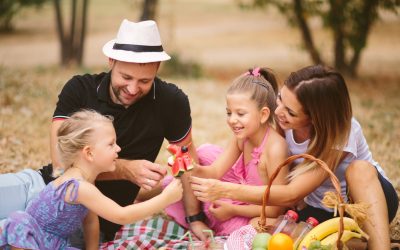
x=76 y=132
x=262 y=85
x=324 y=97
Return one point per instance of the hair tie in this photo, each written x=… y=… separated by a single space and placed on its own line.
x=254 y=72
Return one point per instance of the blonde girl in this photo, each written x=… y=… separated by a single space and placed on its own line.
x=87 y=147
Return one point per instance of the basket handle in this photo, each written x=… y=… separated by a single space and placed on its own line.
x=323 y=165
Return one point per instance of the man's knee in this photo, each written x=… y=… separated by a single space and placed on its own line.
x=360 y=171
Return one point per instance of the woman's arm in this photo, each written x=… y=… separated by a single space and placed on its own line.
x=281 y=195
x=94 y=200
x=91 y=231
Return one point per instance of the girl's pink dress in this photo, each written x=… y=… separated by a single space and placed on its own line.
x=239 y=173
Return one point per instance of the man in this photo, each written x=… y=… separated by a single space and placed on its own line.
x=145 y=109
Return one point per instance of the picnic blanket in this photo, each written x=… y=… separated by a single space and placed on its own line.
x=155 y=233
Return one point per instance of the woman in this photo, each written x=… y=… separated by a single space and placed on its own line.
x=314 y=111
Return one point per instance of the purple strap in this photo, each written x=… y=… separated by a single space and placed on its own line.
x=61 y=190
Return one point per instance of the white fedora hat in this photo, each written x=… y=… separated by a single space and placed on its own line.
x=136 y=42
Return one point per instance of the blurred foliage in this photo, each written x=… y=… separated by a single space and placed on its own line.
x=177 y=67
x=10 y=8
x=350 y=22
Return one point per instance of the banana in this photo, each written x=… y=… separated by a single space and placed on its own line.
x=347 y=235
x=329 y=227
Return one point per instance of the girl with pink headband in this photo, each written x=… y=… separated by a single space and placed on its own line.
x=253 y=153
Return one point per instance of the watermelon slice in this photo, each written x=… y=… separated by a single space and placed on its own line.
x=178 y=167
x=188 y=162
x=180 y=160
x=174 y=149
x=171 y=160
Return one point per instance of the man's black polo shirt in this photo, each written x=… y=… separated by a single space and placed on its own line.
x=140 y=128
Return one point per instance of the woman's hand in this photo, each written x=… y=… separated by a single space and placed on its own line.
x=207 y=189
x=222 y=210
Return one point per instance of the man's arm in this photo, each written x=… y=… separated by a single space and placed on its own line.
x=191 y=204
x=91 y=231
x=144 y=173
x=55 y=159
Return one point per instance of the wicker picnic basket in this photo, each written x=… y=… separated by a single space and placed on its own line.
x=331 y=199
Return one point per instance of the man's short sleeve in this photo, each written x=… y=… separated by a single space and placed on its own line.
x=176 y=114
x=70 y=99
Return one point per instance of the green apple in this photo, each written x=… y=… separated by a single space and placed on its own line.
x=260 y=241
x=315 y=245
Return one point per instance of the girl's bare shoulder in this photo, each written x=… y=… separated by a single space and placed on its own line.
x=276 y=140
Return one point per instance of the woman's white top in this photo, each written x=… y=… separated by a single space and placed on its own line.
x=357 y=149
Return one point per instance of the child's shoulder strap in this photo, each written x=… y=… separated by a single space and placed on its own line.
x=264 y=140
x=62 y=189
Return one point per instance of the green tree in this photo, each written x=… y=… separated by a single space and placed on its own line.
x=350 y=22
x=9 y=8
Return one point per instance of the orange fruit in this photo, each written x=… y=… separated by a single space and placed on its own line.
x=280 y=241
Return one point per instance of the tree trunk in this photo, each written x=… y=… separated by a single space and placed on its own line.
x=336 y=20
x=72 y=32
x=72 y=44
x=365 y=25
x=83 y=32
x=149 y=10
x=305 y=31
x=10 y=10
x=60 y=32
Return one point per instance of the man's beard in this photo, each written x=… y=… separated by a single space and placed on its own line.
x=117 y=94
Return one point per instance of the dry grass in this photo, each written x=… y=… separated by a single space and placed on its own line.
x=28 y=97
x=224 y=39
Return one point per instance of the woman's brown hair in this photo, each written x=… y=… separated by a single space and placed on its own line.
x=324 y=97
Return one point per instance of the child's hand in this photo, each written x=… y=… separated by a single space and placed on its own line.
x=174 y=191
x=222 y=210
